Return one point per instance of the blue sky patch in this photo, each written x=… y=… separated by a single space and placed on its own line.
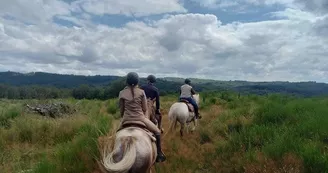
x=225 y=15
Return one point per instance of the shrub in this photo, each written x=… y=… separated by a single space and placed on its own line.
x=204 y=137
x=7 y=115
x=271 y=113
x=112 y=107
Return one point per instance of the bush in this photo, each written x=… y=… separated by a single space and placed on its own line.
x=204 y=137
x=7 y=115
x=112 y=107
x=271 y=113
x=314 y=159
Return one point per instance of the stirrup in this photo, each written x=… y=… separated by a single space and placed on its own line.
x=160 y=157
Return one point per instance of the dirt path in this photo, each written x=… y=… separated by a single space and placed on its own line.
x=185 y=154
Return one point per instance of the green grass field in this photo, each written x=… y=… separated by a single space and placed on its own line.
x=247 y=133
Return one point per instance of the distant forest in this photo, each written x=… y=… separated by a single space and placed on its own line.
x=40 y=85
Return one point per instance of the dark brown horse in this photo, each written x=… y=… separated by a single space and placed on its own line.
x=151 y=114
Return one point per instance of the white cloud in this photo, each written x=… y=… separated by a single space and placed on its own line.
x=127 y=7
x=198 y=45
x=315 y=6
x=40 y=11
x=319 y=7
x=216 y=3
x=321 y=27
x=295 y=14
x=239 y=3
x=269 y=2
x=34 y=11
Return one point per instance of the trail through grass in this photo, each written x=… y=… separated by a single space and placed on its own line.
x=238 y=133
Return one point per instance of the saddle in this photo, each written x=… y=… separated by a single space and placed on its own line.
x=140 y=125
x=190 y=106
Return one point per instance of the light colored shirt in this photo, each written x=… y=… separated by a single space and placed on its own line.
x=186 y=90
x=133 y=108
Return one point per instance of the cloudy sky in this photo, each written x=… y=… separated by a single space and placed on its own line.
x=257 y=40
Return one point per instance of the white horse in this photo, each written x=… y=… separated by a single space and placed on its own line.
x=134 y=152
x=179 y=112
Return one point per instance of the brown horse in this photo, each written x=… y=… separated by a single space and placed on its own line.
x=151 y=114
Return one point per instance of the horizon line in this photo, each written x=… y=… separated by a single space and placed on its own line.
x=195 y=78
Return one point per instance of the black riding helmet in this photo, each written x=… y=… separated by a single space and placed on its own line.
x=132 y=78
x=151 y=78
x=187 y=81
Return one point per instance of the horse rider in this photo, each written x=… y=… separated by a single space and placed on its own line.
x=186 y=92
x=152 y=92
x=133 y=106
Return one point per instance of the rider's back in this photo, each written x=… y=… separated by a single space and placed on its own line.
x=185 y=91
x=150 y=90
x=133 y=106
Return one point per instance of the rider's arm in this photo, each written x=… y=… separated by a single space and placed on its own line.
x=157 y=100
x=121 y=105
x=193 y=91
x=144 y=103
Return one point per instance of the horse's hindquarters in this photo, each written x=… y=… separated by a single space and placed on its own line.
x=179 y=112
x=145 y=150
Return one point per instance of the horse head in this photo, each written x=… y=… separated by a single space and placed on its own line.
x=196 y=97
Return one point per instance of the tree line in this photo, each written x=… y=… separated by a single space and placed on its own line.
x=84 y=91
x=46 y=85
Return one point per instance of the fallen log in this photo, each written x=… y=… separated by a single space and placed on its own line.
x=53 y=110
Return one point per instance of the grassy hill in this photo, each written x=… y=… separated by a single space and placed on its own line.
x=63 y=85
x=50 y=79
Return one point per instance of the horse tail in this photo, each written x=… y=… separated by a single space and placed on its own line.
x=173 y=121
x=170 y=127
x=128 y=159
x=175 y=124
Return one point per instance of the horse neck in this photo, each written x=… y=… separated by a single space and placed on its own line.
x=150 y=104
x=150 y=108
x=196 y=98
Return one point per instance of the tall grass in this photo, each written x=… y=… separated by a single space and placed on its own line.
x=280 y=125
x=8 y=113
x=35 y=143
x=238 y=133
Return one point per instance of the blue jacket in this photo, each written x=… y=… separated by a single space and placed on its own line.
x=151 y=92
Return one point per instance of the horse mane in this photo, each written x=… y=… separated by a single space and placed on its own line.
x=196 y=97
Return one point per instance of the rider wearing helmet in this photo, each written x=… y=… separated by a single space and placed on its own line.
x=133 y=106
x=152 y=92
x=186 y=92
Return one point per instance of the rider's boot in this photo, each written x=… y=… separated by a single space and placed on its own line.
x=159 y=125
x=160 y=155
x=198 y=116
